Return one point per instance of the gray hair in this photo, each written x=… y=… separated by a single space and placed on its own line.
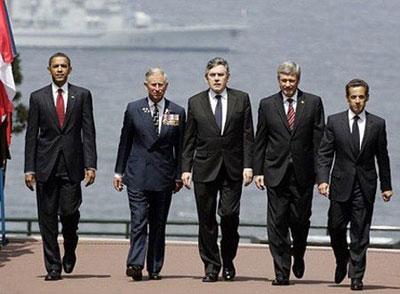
x=215 y=62
x=155 y=70
x=289 y=68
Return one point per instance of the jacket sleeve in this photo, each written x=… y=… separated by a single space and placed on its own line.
x=261 y=140
x=179 y=144
x=189 y=140
x=382 y=157
x=125 y=143
x=32 y=131
x=318 y=131
x=248 y=135
x=88 y=133
x=326 y=154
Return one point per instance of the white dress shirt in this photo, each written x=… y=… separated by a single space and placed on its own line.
x=361 y=123
x=286 y=102
x=224 y=102
x=64 y=94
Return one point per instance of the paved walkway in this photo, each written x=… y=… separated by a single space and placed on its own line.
x=101 y=269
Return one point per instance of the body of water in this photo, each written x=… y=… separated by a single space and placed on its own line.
x=333 y=41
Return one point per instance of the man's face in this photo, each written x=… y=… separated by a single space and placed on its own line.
x=156 y=87
x=59 y=70
x=217 y=78
x=357 y=99
x=288 y=84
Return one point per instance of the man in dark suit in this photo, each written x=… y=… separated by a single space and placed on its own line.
x=149 y=164
x=353 y=139
x=60 y=151
x=218 y=146
x=289 y=129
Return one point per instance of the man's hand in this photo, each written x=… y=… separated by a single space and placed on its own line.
x=387 y=195
x=90 y=175
x=186 y=179
x=323 y=189
x=30 y=181
x=178 y=186
x=247 y=176
x=259 y=180
x=117 y=183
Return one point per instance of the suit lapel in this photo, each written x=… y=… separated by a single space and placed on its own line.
x=70 y=104
x=347 y=134
x=205 y=103
x=278 y=101
x=231 y=102
x=301 y=102
x=367 y=131
x=50 y=105
x=164 y=128
x=147 y=120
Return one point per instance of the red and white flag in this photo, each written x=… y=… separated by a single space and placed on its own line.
x=7 y=54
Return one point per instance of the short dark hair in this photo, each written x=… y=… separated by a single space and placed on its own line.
x=60 y=54
x=215 y=62
x=357 y=83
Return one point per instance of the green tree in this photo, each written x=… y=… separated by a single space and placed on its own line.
x=20 y=114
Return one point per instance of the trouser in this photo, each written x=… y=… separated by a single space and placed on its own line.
x=58 y=195
x=148 y=209
x=358 y=211
x=228 y=209
x=289 y=208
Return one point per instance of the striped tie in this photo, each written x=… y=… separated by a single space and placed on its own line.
x=291 y=115
x=155 y=117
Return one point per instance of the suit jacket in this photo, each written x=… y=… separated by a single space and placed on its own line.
x=336 y=143
x=45 y=138
x=146 y=160
x=206 y=150
x=276 y=146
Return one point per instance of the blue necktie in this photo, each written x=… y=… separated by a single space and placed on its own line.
x=218 y=111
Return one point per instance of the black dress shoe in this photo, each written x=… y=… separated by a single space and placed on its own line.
x=356 y=285
x=278 y=281
x=340 y=272
x=154 y=276
x=210 y=278
x=228 y=273
x=53 y=275
x=135 y=272
x=298 y=267
x=68 y=263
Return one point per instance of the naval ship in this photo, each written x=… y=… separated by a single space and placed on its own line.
x=110 y=24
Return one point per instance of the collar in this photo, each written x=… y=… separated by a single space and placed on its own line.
x=159 y=104
x=351 y=115
x=55 y=88
x=294 y=97
x=212 y=94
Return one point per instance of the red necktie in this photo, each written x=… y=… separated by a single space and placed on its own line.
x=60 y=107
x=291 y=115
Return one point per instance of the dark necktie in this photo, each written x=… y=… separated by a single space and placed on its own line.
x=60 y=107
x=218 y=111
x=155 y=117
x=291 y=115
x=355 y=134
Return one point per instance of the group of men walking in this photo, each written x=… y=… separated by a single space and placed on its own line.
x=161 y=150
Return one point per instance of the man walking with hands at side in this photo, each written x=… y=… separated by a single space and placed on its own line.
x=60 y=151
x=218 y=146
x=352 y=141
